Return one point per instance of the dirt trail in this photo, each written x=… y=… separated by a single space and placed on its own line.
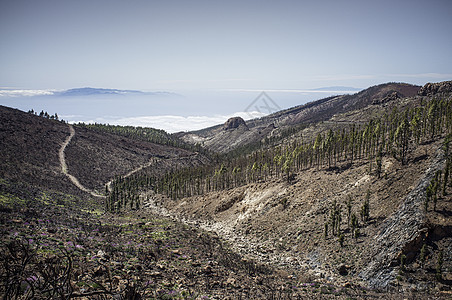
x=152 y=161
x=148 y=164
x=64 y=169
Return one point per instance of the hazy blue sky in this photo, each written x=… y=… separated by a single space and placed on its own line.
x=219 y=55
x=176 y=45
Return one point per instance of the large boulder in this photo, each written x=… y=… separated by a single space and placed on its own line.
x=391 y=96
x=234 y=123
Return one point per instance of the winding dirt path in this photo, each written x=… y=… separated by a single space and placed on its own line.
x=148 y=164
x=64 y=169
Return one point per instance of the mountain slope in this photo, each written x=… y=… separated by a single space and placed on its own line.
x=57 y=241
x=30 y=146
x=366 y=203
x=293 y=205
x=29 y=152
x=218 y=139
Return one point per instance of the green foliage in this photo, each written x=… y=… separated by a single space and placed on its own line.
x=152 y=135
x=349 y=209
x=439 y=266
x=448 y=167
x=335 y=218
x=402 y=138
x=356 y=233
x=389 y=134
x=432 y=191
x=124 y=194
x=423 y=254
x=365 y=208
x=402 y=262
x=46 y=115
x=378 y=162
x=341 y=239
x=355 y=226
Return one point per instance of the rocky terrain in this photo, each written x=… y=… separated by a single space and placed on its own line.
x=283 y=224
x=272 y=237
x=218 y=139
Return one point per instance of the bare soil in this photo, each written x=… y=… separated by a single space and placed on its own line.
x=282 y=225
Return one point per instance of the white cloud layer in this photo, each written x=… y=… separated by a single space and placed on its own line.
x=296 y=91
x=173 y=124
x=25 y=93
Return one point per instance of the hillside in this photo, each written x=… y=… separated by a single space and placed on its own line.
x=347 y=197
x=276 y=204
x=30 y=152
x=283 y=223
x=57 y=242
x=220 y=140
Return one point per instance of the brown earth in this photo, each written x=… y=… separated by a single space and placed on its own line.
x=263 y=240
x=218 y=140
x=282 y=224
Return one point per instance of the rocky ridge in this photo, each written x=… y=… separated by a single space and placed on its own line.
x=435 y=88
x=403 y=233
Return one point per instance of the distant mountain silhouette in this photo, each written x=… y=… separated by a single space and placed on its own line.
x=88 y=91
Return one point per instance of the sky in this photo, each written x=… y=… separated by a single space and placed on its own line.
x=215 y=48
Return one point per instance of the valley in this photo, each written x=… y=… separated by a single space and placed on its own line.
x=347 y=197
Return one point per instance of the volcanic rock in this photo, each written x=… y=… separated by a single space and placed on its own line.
x=234 y=123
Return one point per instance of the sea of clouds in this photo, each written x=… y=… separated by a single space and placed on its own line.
x=172 y=112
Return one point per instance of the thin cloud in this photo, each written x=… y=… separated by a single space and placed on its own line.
x=423 y=75
x=294 y=91
x=343 y=77
x=26 y=93
x=194 y=81
x=173 y=124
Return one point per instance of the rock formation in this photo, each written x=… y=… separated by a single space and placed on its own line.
x=434 y=88
x=234 y=123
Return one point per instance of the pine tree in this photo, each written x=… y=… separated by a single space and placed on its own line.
x=446 y=177
x=423 y=254
x=355 y=226
x=341 y=239
x=402 y=262
x=365 y=209
x=402 y=136
x=349 y=209
x=378 y=162
x=439 y=266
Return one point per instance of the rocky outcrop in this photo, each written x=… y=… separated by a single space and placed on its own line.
x=390 y=97
x=234 y=123
x=321 y=110
x=402 y=233
x=435 y=88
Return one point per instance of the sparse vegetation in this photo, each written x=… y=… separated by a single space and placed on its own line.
x=44 y=114
x=423 y=254
x=302 y=210
x=365 y=208
x=389 y=134
x=152 y=135
x=439 y=266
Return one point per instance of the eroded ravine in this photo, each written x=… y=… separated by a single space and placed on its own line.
x=406 y=219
